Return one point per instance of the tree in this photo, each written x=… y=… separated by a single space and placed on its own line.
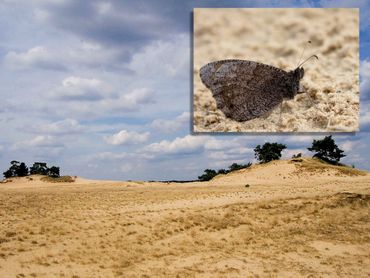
x=222 y=171
x=39 y=168
x=208 y=175
x=12 y=171
x=298 y=155
x=22 y=170
x=16 y=169
x=236 y=166
x=268 y=152
x=53 y=172
x=327 y=150
x=8 y=174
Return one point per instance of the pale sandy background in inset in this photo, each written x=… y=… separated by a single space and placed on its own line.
x=277 y=37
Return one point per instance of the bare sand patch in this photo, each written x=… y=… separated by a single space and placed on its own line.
x=290 y=227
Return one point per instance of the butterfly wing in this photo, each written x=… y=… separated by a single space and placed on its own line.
x=244 y=90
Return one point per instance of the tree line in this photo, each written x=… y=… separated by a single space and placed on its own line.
x=20 y=169
x=324 y=149
x=210 y=173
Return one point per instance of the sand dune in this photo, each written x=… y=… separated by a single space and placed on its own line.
x=297 y=218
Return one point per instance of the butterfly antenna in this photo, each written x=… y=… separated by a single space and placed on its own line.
x=304 y=48
x=312 y=56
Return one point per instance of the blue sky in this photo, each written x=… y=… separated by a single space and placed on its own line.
x=102 y=89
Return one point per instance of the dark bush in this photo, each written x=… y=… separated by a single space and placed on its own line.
x=268 y=152
x=208 y=175
x=298 y=155
x=54 y=172
x=22 y=170
x=236 y=166
x=39 y=168
x=222 y=171
x=16 y=169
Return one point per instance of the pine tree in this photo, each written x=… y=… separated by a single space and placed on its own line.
x=327 y=150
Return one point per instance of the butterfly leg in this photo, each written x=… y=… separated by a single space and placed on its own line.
x=281 y=112
x=311 y=99
x=328 y=124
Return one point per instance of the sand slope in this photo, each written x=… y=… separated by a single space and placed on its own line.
x=295 y=219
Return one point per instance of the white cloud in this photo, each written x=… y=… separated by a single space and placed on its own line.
x=214 y=144
x=126 y=102
x=365 y=79
x=365 y=69
x=66 y=126
x=38 y=56
x=89 y=54
x=127 y=137
x=81 y=89
x=93 y=97
x=348 y=146
x=137 y=96
x=126 y=167
x=42 y=141
x=194 y=144
x=114 y=156
x=298 y=139
x=62 y=57
x=103 y=8
x=365 y=116
x=110 y=156
x=169 y=126
x=187 y=144
x=163 y=58
x=235 y=154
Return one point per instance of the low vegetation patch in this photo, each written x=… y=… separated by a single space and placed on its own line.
x=317 y=165
x=210 y=173
x=58 y=179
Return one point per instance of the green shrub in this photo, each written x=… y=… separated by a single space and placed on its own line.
x=268 y=152
x=208 y=175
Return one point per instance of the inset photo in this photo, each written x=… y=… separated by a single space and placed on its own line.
x=276 y=70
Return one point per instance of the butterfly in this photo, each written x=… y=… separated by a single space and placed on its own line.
x=245 y=90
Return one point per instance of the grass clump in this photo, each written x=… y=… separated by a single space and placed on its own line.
x=58 y=179
x=318 y=165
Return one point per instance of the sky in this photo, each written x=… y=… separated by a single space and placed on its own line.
x=102 y=89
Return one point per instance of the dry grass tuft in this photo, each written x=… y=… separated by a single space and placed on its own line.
x=59 y=179
x=320 y=166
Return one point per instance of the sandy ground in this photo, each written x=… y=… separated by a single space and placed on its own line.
x=292 y=221
x=277 y=37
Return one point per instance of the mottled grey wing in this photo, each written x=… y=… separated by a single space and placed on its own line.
x=244 y=90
